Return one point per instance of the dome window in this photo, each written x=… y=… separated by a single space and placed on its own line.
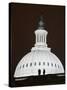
x=48 y=63
x=26 y=65
x=55 y=65
x=39 y=63
x=30 y=64
x=35 y=63
x=23 y=65
x=58 y=66
x=20 y=67
x=43 y=63
x=52 y=64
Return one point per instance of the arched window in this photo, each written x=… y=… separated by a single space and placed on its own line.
x=23 y=65
x=52 y=64
x=26 y=65
x=20 y=67
x=43 y=63
x=55 y=65
x=58 y=66
x=35 y=63
x=48 y=63
x=39 y=63
x=30 y=64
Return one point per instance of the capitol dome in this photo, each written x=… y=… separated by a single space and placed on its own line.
x=40 y=61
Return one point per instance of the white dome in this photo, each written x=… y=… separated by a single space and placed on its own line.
x=38 y=60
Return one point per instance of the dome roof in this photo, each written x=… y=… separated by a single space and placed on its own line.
x=35 y=60
x=40 y=60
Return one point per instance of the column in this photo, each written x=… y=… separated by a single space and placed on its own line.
x=36 y=38
x=39 y=37
x=43 y=38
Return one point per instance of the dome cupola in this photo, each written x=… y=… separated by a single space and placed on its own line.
x=40 y=61
x=41 y=37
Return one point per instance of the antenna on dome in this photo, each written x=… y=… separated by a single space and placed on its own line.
x=41 y=23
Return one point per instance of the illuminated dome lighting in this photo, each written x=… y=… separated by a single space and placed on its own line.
x=40 y=61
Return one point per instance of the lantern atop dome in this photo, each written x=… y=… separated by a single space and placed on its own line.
x=41 y=36
x=41 y=23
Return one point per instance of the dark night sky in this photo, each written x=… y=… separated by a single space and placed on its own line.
x=23 y=23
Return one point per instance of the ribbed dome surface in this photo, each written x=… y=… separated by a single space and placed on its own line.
x=38 y=60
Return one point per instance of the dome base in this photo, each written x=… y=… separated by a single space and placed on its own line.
x=40 y=48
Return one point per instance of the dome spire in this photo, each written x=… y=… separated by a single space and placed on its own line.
x=41 y=23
